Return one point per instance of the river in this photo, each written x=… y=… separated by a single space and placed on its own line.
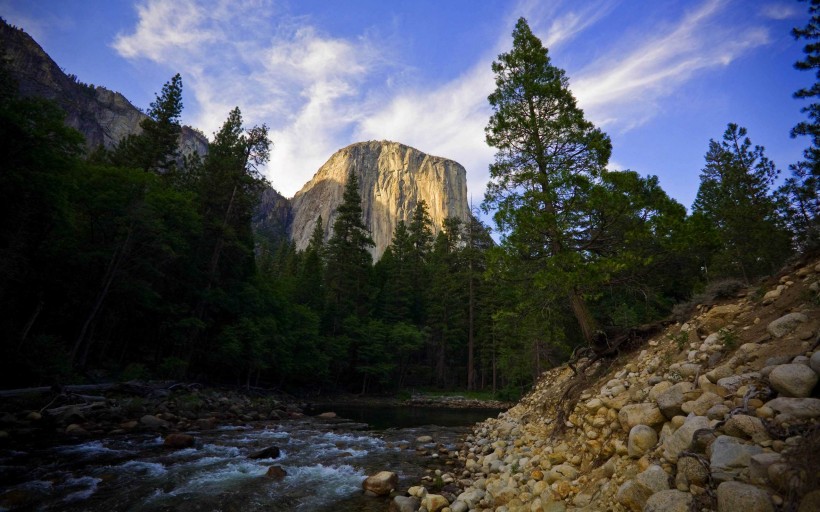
x=326 y=461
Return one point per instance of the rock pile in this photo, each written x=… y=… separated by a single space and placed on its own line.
x=718 y=414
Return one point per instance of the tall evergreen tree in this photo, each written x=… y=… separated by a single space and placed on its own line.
x=734 y=196
x=348 y=259
x=802 y=189
x=157 y=147
x=548 y=157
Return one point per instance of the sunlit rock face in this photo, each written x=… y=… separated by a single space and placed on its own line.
x=393 y=178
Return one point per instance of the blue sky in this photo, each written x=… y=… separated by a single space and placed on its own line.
x=661 y=77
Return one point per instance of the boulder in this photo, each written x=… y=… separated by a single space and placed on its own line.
x=719 y=316
x=679 y=441
x=382 y=483
x=786 y=324
x=153 y=422
x=793 y=380
x=746 y=427
x=654 y=478
x=737 y=496
x=633 y=495
x=271 y=452
x=471 y=497
x=730 y=456
x=702 y=404
x=759 y=465
x=327 y=415
x=434 y=502
x=642 y=438
x=640 y=414
x=810 y=502
x=562 y=472
x=668 y=501
x=814 y=362
x=801 y=408
x=276 y=473
x=404 y=504
x=424 y=440
x=671 y=400
x=691 y=472
x=178 y=440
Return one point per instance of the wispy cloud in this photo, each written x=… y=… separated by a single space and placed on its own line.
x=304 y=84
x=319 y=93
x=624 y=88
x=780 y=11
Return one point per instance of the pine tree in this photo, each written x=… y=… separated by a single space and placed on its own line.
x=157 y=147
x=548 y=157
x=801 y=191
x=734 y=196
x=348 y=259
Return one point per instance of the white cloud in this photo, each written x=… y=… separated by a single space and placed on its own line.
x=623 y=89
x=780 y=11
x=304 y=84
x=319 y=93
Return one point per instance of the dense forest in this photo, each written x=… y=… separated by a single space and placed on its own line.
x=141 y=262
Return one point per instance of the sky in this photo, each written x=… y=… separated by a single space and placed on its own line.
x=661 y=77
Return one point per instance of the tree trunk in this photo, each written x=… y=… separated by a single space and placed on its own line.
x=470 y=338
x=110 y=273
x=585 y=320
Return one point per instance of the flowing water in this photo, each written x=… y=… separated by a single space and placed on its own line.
x=325 y=461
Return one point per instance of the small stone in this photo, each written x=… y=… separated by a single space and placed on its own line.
x=759 y=465
x=737 y=496
x=424 y=440
x=327 y=415
x=793 y=380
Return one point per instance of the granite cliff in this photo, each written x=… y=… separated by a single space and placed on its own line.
x=393 y=179
x=101 y=115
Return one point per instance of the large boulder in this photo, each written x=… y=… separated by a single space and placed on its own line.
x=786 y=324
x=800 y=408
x=382 y=483
x=669 y=501
x=671 y=400
x=178 y=440
x=642 y=438
x=679 y=441
x=640 y=414
x=730 y=456
x=793 y=380
x=737 y=496
x=633 y=495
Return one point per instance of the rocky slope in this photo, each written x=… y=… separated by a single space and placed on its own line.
x=720 y=413
x=393 y=179
x=102 y=116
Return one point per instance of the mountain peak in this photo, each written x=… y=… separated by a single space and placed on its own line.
x=393 y=178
